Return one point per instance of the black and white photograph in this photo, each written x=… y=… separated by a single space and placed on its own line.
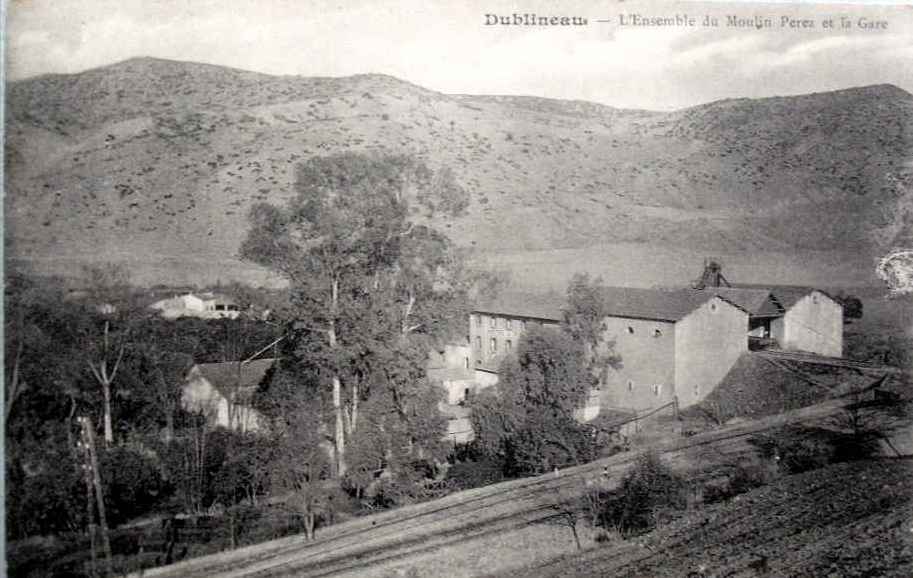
x=441 y=288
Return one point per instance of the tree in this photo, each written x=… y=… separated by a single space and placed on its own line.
x=105 y=336
x=584 y=321
x=852 y=307
x=529 y=418
x=301 y=466
x=367 y=271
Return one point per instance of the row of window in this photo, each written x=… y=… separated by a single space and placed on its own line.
x=493 y=344
x=657 y=388
x=656 y=332
x=499 y=322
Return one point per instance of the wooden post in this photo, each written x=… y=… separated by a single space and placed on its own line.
x=89 y=435
x=90 y=508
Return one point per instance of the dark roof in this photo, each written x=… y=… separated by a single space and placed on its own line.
x=655 y=304
x=545 y=306
x=758 y=302
x=224 y=376
x=787 y=295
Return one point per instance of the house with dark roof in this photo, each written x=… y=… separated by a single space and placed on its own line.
x=223 y=392
x=791 y=318
x=673 y=344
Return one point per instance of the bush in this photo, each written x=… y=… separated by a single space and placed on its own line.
x=650 y=493
x=132 y=484
x=475 y=474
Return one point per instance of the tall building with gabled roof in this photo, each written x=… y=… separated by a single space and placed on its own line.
x=674 y=344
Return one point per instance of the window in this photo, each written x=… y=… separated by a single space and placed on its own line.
x=630 y=385
x=493 y=346
x=630 y=330
x=507 y=324
x=466 y=362
x=713 y=306
x=478 y=320
x=697 y=391
x=508 y=345
x=657 y=390
x=478 y=343
x=815 y=299
x=523 y=326
x=492 y=322
x=657 y=333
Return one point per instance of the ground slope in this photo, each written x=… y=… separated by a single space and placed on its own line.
x=852 y=519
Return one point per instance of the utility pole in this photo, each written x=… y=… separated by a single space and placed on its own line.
x=88 y=439
x=90 y=507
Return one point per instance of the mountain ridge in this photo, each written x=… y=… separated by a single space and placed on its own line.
x=151 y=157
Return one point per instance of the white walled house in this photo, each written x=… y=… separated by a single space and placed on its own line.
x=675 y=345
x=204 y=305
x=672 y=344
x=812 y=322
x=223 y=391
x=794 y=318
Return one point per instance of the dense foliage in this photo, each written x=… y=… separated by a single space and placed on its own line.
x=373 y=286
x=528 y=421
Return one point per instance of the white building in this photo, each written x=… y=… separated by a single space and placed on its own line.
x=204 y=306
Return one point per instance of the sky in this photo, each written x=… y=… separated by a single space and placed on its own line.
x=446 y=46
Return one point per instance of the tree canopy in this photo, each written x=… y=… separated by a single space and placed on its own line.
x=529 y=418
x=373 y=285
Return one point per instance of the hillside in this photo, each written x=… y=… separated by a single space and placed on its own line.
x=847 y=520
x=158 y=161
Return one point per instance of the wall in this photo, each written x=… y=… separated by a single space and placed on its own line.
x=198 y=394
x=503 y=329
x=647 y=362
x=708 y=342
x=485 y=379
x=814 y=324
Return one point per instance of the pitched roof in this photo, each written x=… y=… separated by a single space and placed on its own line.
x=224 y=376
x=786 y=295
x=545 y=306
x=758 y=302
x=654 y=304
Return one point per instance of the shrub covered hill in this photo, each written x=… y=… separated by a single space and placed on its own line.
x=157 y=159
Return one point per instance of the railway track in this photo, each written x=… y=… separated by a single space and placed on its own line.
x=830 y=361
x=414 y=529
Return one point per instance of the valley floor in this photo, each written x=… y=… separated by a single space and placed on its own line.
x=834 y=521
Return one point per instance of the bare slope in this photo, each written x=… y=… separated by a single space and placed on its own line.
x=850 y=519
x=161 y=160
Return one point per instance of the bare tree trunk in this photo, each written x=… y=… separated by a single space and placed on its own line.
x=109 y=428
x=106 y=378
x=337 y=385
x=340 y=427
x=13 y=391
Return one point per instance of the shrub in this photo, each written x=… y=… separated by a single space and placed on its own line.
x=475 y=474
x=133 y=485
x=650 y=493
